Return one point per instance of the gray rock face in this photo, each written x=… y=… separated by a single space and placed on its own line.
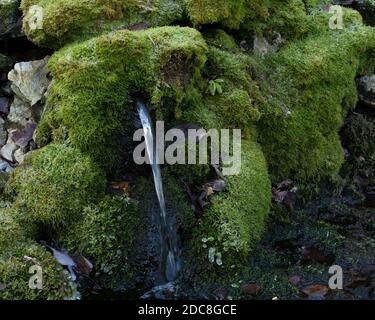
x=29 y=80
x=10 y=18
x=20 y=112
x=5 y=166
x=4 y=105
x=366 y=90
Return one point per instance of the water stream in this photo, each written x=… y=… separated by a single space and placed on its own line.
x=169 y=262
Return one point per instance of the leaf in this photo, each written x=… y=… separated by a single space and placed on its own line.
x=219 y=89
x=212 y=87
x=250 y=288
x=123 y=186
x=294 y=280
x=316 y=291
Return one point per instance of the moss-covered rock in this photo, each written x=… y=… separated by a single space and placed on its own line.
x=311 y=87
x=233 y=222
x=94 y=82
x=9 y=15
x=54 y=23
x=106 y=235
x=15 y=274
x=54 y=185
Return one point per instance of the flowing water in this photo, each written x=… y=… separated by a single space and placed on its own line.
x=169 y=261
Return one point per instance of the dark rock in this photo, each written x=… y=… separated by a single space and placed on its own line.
x=4 y=105
x=366 y=90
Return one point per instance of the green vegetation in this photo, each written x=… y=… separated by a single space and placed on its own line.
x=234 y=220
x=14 y=274
x=106 y=235
x=54 y=185
x=310 y=87
x=94 y=82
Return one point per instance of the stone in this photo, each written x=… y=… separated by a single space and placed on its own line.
x=3 y=133
x=4 y=105
x=30 y=80
x=7 y=151
x=19 y=156
x=10 y=19
x=366 y=90
x=5 y=166
x=20 y=112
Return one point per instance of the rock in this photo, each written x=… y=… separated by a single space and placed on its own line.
x=3 y=133
x=5 y=166
x=22 y=137
x=20 y=112
x=10 y=19
x=6 y=64
x=29 y=80
x=4 y=105
x=19 y=156
x=366 y=90
x=7 y=151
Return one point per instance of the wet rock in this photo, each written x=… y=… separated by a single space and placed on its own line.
x=366 y=90
x=7 y=151
x=20 y=112
x=10 y=18
x=30 y=80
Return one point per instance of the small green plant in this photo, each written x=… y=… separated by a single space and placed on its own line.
x=215 y=87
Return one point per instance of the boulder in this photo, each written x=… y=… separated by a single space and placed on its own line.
x=7 y=151
x=366 y=90
x=30 y=80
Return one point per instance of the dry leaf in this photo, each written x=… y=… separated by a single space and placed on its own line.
x=250 y=288
x=316 y=291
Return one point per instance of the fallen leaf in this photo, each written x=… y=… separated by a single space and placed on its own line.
x=123 y=185
x=250 y=288
x=316 y=291
x=84 y=266
x=294 y=280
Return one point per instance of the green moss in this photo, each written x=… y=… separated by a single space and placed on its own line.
x=11 y=232
x=310 y=87
x=54 y=186
x=234 y=221
x=106 y=236
x=236 y=104
x=229 y=13
x=94 y=82
x=64 y=21
x=14 y=274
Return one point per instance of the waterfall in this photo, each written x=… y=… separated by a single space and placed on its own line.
x=169 y=260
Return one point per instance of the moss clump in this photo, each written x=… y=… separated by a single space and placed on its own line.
x=54 y=186
x=234 y=221
x=235 y=102
x=229 y=13
x=64 y=21
x=14 y=274
x=106 y=235
x=300 y=125
x=11 y=232
x=94 y=82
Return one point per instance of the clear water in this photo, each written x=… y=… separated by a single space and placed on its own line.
x=169 y=259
